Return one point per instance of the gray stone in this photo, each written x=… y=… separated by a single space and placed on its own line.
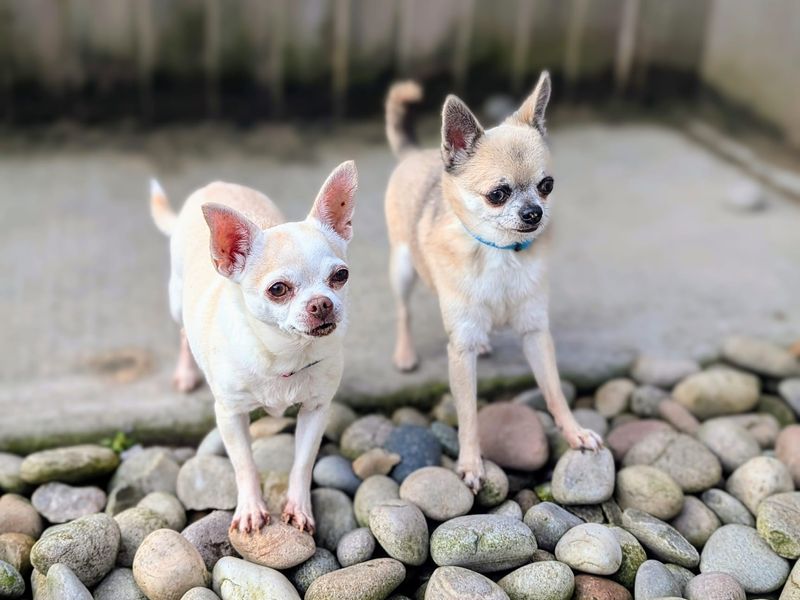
x=727 y=508
x=91 y=559
x=654 y=581
x=714 y=586
x=373 y=491
x=494 y=487
x=408 y=415
x=696 y=522
x=12 y=585
x=590 y=548
x=633 y=555
x=779 y=523
x=438 y=492
x=661 y=371
x=333 y=511
x=760 y=356
x=509 y=508
x=10 y=478
x=650 y=490
x=168 y=506
x=274 y=454
x=457 y=583
x=762 y=427
x=59 y=502
x=401 y=530
x=356 y=546
x=373 y=579
x=417 y=448
x=717 y=392
x=660 y=538
x=549 y=580
x=614 y=397
x=336 y=472
x=207 y=482
x=789 y=389
x=591 y=419
x=200 y=593
x=322 y=563
x=212 y=444
x=61 y=582
x=693 y=466
x=584 y=477
x=236 y=579
x=757 y=479
x=70 y=464
x=151 y=470
x=680 y=574
x=119 y=585
x=740 y=552
x=447 y=436
x=340 y=417
x=733 y=445
x=365 y=434
x=645 y=400
x=483 y=543
x=209 y=536
x=135 y=524
x=549 y=522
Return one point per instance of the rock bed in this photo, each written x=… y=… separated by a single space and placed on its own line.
x=693 y=497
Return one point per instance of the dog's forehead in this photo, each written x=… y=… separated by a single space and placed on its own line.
x=301 y=247
x=518 y=155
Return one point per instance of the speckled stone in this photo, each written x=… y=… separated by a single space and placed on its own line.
x=591 y=587
x=757 y=479
x=633 y=555
x=590 y=548
x=322 y=563
x=696 y=522
x=654 y=581
x=495 y=486
x=740 y=552
x=714 y=586
x=374 y=579
x=355 y=547
x=333 y=511
x=71 y=464
x=375 y=490
x=778 y=523
x=661 y=539
x=584 y=477
x=549 y=580
x=549 y=522
x=401 y=530
x=457 y=583
x=502 y=543
x=650 y=490
x=438 y=492
x=365 y=434
x=277 y=545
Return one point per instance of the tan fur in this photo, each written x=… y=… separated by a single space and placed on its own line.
x=433 y=212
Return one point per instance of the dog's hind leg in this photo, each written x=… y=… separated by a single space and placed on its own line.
x=187 y=375
x=403 y=276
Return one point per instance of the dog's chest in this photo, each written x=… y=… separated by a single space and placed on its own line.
x=505 y=283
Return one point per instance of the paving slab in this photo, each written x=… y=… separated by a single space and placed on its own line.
x=648 y=256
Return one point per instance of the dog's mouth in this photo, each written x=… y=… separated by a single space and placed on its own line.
x=530 y=229
x=322 y=330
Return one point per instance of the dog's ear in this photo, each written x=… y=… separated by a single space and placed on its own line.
x=460 y=132
x=532 y=110
x=232 y=238
x=337 y=199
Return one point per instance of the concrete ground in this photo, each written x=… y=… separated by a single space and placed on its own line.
x=649 y=257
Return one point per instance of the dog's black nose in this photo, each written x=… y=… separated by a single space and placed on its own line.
x=531 y=214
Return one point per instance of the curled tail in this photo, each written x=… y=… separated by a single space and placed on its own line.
x=161 y=211
x=399 y=128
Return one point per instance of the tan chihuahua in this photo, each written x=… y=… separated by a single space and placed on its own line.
x=262 y=306
x=469 y=219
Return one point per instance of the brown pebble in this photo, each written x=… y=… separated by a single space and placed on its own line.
x=15 y=549
x=588 y=587
x=678 y=416
x=375 y=462
x=266 y=426
x=278 y=545
x=623 y=438
x=787 y=449
x=526 y=499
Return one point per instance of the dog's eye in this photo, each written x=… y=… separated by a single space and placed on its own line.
x=498 y=195
x=340 y=277
x=545 y=186
x=278 y=290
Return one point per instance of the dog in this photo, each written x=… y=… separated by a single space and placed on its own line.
x=471 y=219
x=262 y=306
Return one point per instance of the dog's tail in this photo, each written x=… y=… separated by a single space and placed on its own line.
x=161 y=211
x=399 y=128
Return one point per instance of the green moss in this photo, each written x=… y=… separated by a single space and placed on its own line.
x=545 y=492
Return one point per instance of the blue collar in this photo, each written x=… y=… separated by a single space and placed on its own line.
x=516 y=246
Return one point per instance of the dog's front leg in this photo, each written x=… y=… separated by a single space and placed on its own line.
x=463 y=386
x=308 y=435
x=540 y=352
x=251 y=510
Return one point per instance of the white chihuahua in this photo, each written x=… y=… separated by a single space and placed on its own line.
x=263 y=317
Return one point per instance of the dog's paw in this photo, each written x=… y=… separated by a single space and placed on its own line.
x=484 y=350
x=250 y=515
x=186 y=380
x=583 y=439
x=472 y=474
x=405 y=359
x=299 y=517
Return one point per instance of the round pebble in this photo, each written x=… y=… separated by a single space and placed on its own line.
x=209 y=536
x=438 y=492
x=17 y=515
x=15 y=549
x=375 y=578
x=760 y=356
x=336 y=472
x=733 y=445
x=277 y=545
x=591 y=587
x=650 y=490
x=375 y=490
x=168 y=506
x=365 y=434
x=207 y=482
x=512 y=436
x=401 y=530
x=375 y=462
x=166 y=566
x=590 y=548
x=457 y=583
x=447 y=436
x=12 y=585
x=355 y=547
x=333 y=511
x=740 y=552
x=61 y=582
x=321 y=563
x=654 y=581
x=778 y=523
x=676 y=415
x=696 y=522
x=340 y=417
x=714 y=586
x=274 y=454
x=613 y=397
x=237 y=579
x=483 y=543
x=59 y=502
x=549 y=522
x=584 y=477
x=757 y=479
x=646 y=399
x=550 y=580
x=417 y=448
x=716 y=392
x=623 y=437
x=119 y=585
x=135 y=524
